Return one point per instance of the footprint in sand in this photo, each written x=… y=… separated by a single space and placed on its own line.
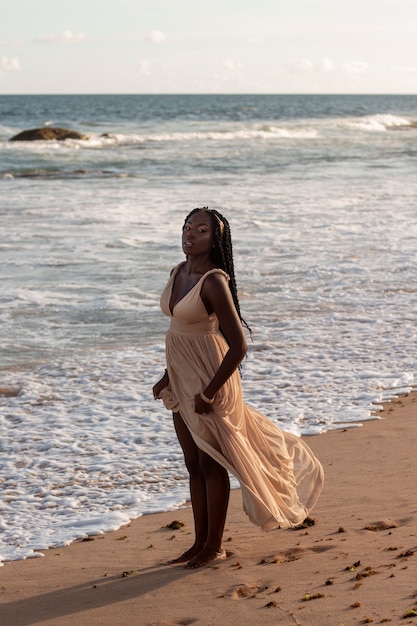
x=293 y=554
x=384 y=524
x=245 y=590
x=182 y=622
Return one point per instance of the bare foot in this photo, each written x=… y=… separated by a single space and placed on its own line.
x=187 y=555
x=206 y=556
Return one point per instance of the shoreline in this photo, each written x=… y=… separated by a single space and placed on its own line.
x=356 y=564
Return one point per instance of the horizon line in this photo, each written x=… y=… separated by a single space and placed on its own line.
x=186 y=93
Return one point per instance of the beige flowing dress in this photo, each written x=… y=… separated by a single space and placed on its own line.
x=280 y=478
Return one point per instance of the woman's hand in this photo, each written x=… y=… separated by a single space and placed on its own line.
x=201 y=407
x=161 y=384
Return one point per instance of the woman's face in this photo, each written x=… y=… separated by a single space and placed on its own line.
x=197 y=234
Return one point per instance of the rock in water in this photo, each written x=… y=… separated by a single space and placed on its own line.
x=47 y=134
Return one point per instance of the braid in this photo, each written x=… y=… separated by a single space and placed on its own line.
x=222 y=254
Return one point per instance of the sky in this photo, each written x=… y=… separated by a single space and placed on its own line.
x=216 y=46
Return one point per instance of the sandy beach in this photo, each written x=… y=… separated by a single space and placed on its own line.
x=355 y=563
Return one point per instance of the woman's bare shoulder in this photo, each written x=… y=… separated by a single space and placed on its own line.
x=215 y=286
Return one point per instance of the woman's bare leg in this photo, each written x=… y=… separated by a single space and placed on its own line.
x=217 y=494
x=197 y=489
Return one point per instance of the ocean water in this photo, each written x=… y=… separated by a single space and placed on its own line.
x=320 y=192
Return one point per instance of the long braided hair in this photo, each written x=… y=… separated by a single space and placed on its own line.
x=222 y=252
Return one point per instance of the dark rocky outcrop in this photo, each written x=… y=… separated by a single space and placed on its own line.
x=9 y=392
x=47 y=133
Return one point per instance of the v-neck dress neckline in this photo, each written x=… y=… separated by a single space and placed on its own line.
x=191 y=292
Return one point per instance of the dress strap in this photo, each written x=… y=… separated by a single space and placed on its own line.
x=215 y=270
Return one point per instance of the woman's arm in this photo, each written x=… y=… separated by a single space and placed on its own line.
x=217 y=298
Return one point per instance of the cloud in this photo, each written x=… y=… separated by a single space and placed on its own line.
x=155 y=36
x=10 y=44
x=407 y=69
x=307 y=66
x=302 y=66
x=356 y=68
x=9 y=65
x=62 y=38
x=231 y=65
x=144 y=67
x=326 y=64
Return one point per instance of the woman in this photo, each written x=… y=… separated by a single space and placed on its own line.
x=279 y=476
